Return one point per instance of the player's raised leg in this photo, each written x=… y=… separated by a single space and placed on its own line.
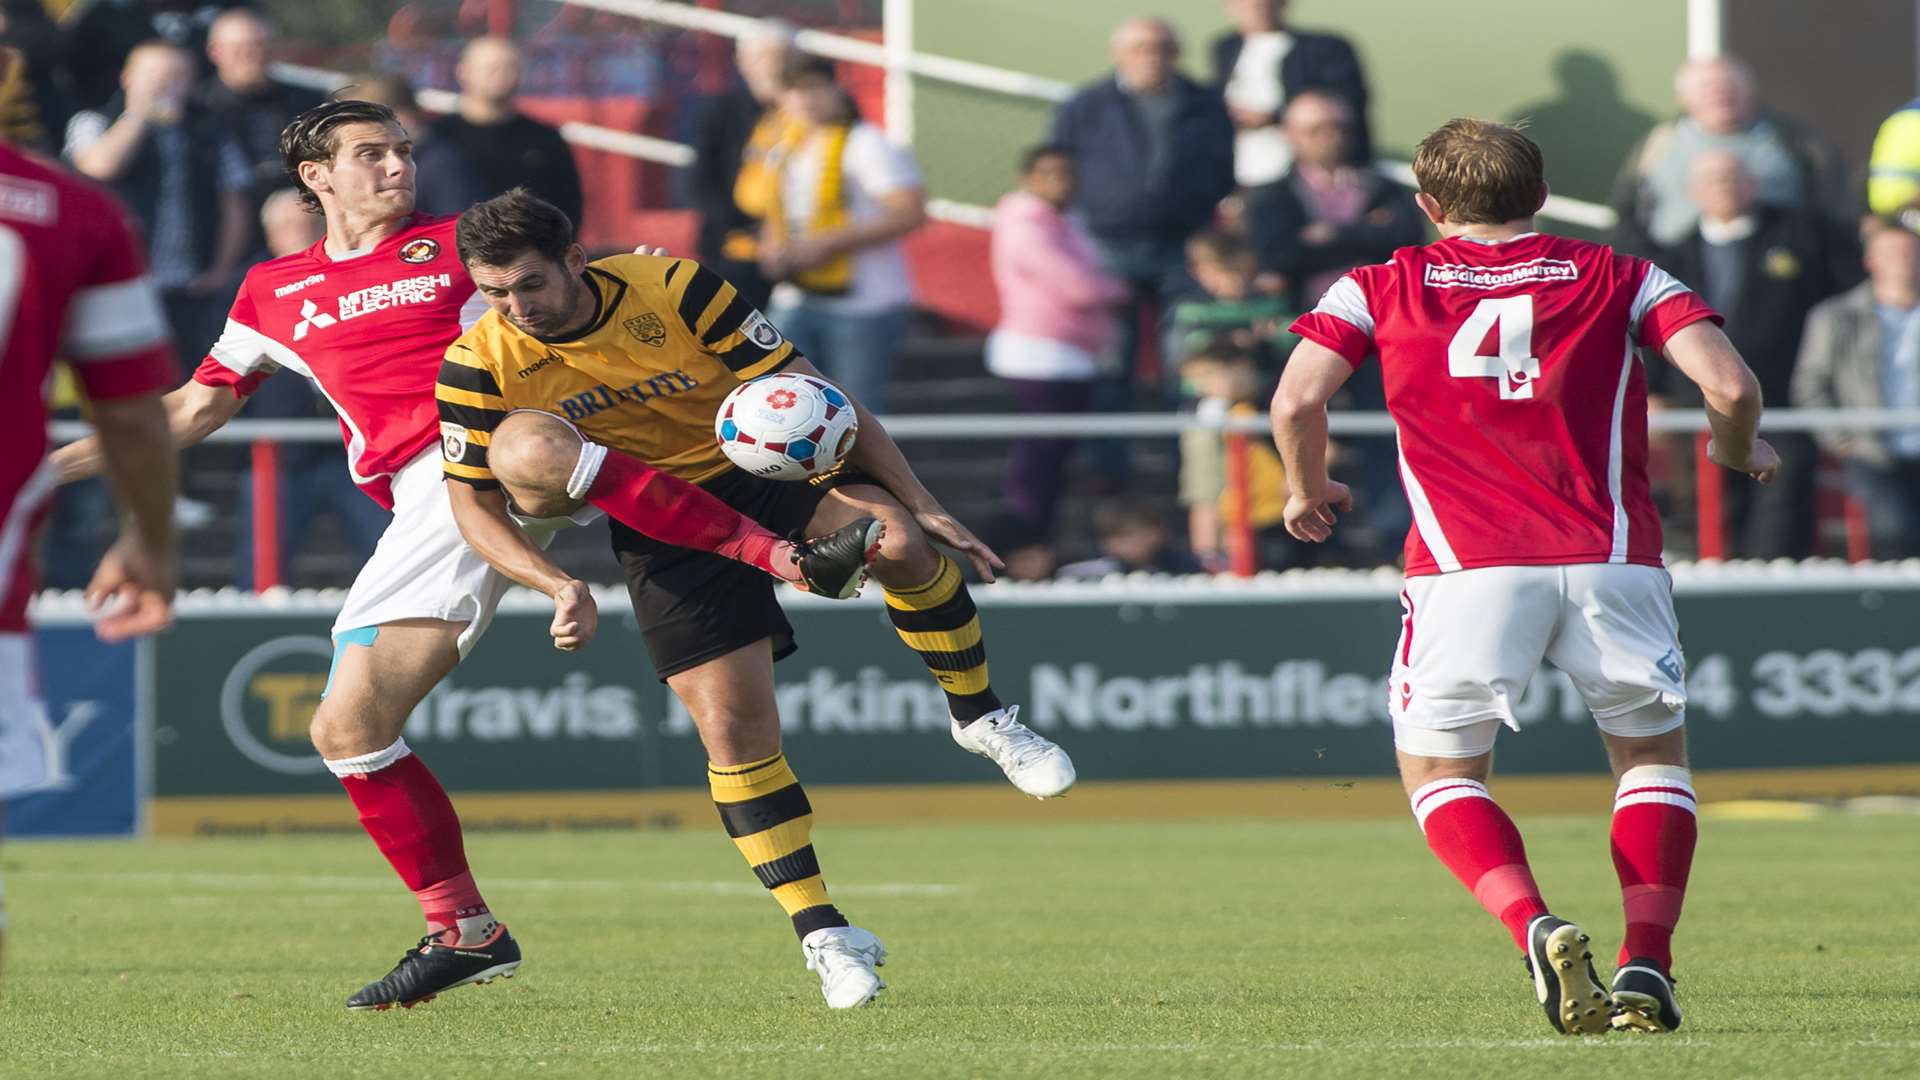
x=934 y=614
x=766 y=812
x=1654 y=831
x=380 y=673
x=548 y=469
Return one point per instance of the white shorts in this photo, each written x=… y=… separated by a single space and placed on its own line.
x=1471 y=640
x=26 y=736
x=423 y=569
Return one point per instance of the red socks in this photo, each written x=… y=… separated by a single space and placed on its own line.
x=411 y=820
x=1654 y=830
x=675 y=511
x=1478 y=842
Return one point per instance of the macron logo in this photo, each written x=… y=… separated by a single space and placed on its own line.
x=1461 y=276
x=311 y=317
x=289 y=290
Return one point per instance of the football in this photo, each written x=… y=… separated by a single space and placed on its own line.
x=786 y=426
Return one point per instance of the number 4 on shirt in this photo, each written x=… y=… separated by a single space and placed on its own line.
x=1515 y=366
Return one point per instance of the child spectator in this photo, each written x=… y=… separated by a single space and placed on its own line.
x=1227 y=383
x=1133 y=539
x=1233 y=304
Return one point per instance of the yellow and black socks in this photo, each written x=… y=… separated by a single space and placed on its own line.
x=938 y=621
x=767 y=814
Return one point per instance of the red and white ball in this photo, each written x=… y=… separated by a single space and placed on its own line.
x=786 y=426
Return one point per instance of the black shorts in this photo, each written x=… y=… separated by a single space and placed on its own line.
x=693 y=605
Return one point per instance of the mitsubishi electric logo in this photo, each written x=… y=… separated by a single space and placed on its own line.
x=419 y=289
x=311 y=316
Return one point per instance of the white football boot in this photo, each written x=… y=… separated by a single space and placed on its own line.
x=1034 y=763
x=845 y=958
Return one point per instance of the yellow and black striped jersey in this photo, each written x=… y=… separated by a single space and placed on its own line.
x=671 y=340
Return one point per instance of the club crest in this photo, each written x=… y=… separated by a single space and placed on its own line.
x=420 y=250
x=647 y=329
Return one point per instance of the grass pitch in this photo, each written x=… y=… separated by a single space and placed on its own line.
x=1097 y=950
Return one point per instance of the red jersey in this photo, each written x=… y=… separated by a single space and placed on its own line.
x=1511 y=376
x=71 y=286
x=370 y=330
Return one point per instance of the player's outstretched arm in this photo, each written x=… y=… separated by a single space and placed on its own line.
x=876 y=454
x=193 y=412
x=1314 y=373
x=488 y=529
x=134 y=583
x=1702 y=353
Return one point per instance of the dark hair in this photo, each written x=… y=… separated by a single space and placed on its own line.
x=803 y=66
x=1213 y=245
x=314 y=136
x=1125 y=512
x=505 y=227
x=1034 y=155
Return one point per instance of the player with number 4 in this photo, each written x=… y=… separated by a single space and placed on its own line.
x=1511 y=373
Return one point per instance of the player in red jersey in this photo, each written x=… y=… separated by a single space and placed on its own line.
x=71 y=286
x=1510 y=369
x=367 y=314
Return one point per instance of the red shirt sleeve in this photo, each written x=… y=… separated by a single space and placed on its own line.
x=1342 y=321
x=1662 y=306
x=237 y=360
x=116 y=337
x=1669 y=316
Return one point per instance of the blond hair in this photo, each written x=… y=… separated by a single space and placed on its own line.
x=1480 y=172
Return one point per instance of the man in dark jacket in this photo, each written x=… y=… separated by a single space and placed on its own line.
x=249 y=104
x=724 y=127
x=1262 y=64
x=1763 y=268
x=1154 y=152
x=1330 y=212
x=508 y=148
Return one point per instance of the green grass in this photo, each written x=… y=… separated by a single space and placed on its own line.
x=1103 y=950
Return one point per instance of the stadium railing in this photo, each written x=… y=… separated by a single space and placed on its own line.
x=264 y=438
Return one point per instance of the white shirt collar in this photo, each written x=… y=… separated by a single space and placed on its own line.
x=1728 y=232
x=1491 y=242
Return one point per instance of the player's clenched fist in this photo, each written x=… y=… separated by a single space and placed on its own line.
x=1311 y=518
x=1760 y=463
x=575 y=616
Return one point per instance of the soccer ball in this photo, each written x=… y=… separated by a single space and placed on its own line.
x=786 y=426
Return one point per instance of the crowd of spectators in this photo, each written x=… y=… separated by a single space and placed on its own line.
x=1218 y=233
x=1155 y=246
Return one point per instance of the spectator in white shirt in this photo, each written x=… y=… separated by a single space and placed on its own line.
x=183 y=177
x=1261 y=65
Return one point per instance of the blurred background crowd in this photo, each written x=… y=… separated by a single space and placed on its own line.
x=1151 y=246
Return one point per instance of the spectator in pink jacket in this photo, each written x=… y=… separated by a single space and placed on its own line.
x=1056 y=329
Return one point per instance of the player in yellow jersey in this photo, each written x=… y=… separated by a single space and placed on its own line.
x=584 y=370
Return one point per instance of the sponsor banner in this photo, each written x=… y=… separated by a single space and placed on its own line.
x=93 y=750
x=1181 y=689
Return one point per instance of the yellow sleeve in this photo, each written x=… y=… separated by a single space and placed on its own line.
x=470 y=408
x=727 y=327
